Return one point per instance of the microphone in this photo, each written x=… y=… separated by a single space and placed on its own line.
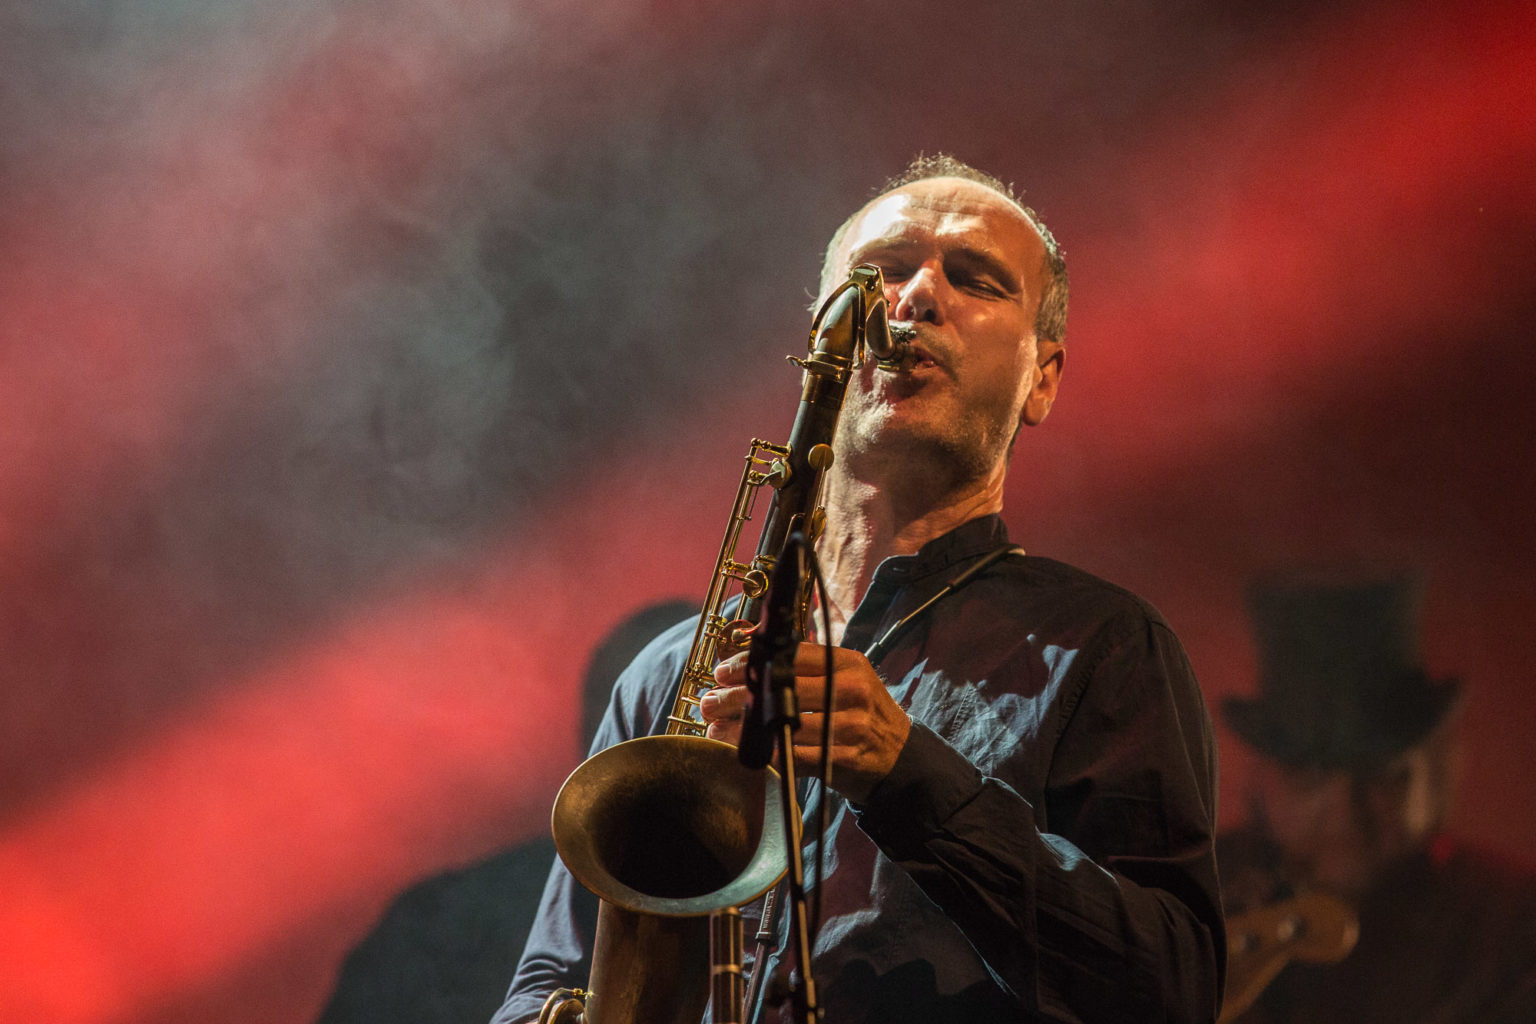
x=771 y=659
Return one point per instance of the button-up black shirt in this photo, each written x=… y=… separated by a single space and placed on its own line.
x=1042 y=849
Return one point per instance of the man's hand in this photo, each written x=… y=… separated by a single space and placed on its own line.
x=868 y=727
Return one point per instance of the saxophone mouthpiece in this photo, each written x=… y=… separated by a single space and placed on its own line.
x=902 y=336
x=886 y=341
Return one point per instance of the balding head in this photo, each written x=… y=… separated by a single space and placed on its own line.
x=1051 y=273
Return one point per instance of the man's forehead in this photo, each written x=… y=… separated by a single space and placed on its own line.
x=949 y=206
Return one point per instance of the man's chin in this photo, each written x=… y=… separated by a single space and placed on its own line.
x=895 y=430
x=919 y=446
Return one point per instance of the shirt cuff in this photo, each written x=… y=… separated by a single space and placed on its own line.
x=929 y=783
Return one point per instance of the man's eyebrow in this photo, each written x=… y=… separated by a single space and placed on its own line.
x=894 y=246
x=980 y=260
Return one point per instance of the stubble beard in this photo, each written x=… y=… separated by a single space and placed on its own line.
x=934 y=454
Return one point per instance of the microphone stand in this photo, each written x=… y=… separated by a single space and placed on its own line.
x=770 y=724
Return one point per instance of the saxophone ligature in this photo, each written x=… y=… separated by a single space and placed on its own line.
x=671 y=831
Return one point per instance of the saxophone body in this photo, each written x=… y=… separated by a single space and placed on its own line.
x=671 y=831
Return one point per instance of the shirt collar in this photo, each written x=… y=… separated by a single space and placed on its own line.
x=935 y=559
x=971 y=538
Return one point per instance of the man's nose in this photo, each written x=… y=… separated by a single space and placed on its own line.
x=918 y=298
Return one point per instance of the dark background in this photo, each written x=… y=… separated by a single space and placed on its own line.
x=361 y=363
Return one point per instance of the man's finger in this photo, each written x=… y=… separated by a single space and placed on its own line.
x=724 y=702
x=811 y=659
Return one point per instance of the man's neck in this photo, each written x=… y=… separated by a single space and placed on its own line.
x=867 y=524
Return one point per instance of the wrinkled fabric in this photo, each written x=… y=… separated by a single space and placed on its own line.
x=1042 y=849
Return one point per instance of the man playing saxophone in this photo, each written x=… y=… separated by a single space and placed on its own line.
x=1023 y=783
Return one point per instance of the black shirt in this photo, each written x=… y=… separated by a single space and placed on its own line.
x=1042 y=849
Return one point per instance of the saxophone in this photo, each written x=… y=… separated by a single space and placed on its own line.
x=671 y=831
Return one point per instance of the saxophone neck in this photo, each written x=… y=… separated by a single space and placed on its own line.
x=853 y=321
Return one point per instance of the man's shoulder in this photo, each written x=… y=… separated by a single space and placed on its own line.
x=1078 y=592
x=1481 y=874
x=647 y=684
x=671 y=643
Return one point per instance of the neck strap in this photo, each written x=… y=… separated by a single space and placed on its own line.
x=882 y=646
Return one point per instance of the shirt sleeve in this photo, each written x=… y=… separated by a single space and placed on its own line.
x=558 y=952
x=1101 y=905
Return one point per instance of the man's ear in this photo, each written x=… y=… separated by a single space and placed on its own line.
x=1050 y=355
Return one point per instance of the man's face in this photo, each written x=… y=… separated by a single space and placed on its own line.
x=1338 y=830
x=964 y=266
